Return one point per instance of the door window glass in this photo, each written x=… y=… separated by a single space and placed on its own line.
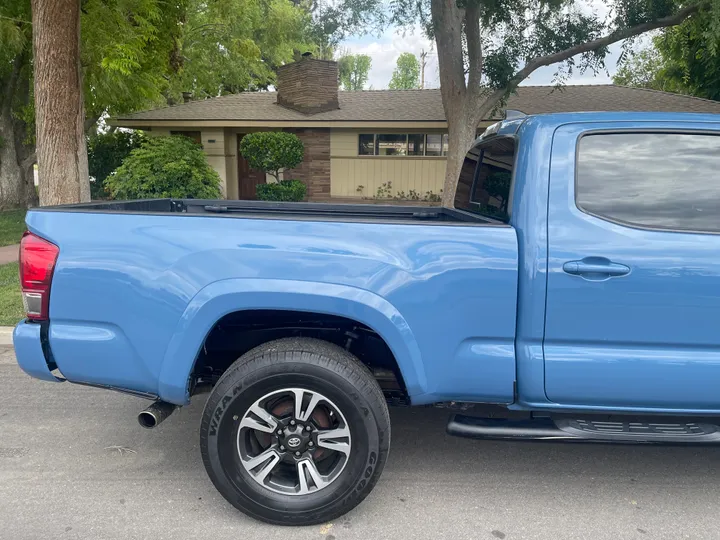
x=654 y=180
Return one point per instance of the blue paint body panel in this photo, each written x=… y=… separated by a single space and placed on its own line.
x=134 y=296
x=29 y=353
x=479 y=313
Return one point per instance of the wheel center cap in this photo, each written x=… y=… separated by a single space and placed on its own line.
x=295 y=438
x=294 y=442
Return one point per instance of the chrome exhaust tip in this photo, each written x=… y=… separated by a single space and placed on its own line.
x=155 y=413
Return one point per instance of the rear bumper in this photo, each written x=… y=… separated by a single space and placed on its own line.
x=28 y=343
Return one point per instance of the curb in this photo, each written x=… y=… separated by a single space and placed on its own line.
x=6 y=335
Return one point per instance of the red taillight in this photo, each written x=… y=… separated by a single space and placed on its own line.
x=37 y=262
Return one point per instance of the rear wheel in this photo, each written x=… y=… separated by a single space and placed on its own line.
x=295 y=432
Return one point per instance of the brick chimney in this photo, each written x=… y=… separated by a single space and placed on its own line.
x=309 y=86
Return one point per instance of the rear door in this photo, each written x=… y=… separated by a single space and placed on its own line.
x=633 y=297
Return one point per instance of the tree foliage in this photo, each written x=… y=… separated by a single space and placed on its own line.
x=106 y=152
x=354 y=70
x=165 y=167
x=271 y=151
x=406 y=75
x=139 y=54
x=487 y=48
x=683 y=59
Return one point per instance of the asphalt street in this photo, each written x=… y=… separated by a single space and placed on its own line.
x=75 y=464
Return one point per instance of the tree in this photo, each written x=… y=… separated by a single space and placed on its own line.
x=165 y=167
x=641 y=69
x=272 y=151
x=487 y=48
x=17 y=153
x=138 y=54
x=407 y=73
x=354 y=70
x=59 y=105
x=683 y=59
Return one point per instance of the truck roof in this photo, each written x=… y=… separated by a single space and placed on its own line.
x=510 y=126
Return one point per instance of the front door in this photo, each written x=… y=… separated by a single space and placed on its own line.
x=247 y=178
x=633 y=296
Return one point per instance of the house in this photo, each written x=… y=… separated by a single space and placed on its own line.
x=357 y=143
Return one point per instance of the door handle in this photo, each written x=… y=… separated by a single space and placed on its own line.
x=596 y=267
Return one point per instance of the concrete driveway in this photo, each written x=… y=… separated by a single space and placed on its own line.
x=74 y=464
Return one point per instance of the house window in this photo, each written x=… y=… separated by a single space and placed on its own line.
x=402 y=144
x=367 y=145
x=194 y=135
x=437 y=144
x=416 y=144
x=390 y=145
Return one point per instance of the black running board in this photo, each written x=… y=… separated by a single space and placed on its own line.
x=587 y=430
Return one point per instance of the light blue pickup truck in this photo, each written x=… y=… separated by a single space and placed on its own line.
x=572 y=293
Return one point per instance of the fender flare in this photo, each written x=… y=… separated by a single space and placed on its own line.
x=219 y=298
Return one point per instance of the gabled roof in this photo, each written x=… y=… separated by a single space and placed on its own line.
x=381 y=106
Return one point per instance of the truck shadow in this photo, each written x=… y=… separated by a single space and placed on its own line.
x=421 y=450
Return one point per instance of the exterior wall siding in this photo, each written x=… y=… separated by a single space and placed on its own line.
x=350 y=171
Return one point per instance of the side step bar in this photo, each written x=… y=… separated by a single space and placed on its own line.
x=588 y=430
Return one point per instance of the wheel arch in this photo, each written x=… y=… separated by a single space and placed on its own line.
x=221 y=298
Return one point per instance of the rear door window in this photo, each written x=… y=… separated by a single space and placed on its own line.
x=484 y=186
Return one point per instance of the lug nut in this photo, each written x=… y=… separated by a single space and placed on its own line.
x=297 y=454
x=292 y=422
x=308 y=428
x=310 y=443
x=279 y=431
x=282 y=448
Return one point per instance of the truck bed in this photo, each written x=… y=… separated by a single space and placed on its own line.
x=285 y=210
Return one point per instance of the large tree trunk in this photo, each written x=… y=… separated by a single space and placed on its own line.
x=462 y=128
x=459 y=97
x=59 y=110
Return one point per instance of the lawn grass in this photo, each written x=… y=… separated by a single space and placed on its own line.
x=12 y=225
x=11 y=308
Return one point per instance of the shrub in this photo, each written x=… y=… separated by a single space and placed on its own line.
x=285 y=190
x=106 y=152
x=163 y=167
x=271 y=151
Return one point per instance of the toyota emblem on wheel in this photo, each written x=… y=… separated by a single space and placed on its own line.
x=294 y=442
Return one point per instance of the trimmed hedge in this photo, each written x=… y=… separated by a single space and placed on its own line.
x=285 y=190
x=271 y=151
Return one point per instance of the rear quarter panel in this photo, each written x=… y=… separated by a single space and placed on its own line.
x=133 y=294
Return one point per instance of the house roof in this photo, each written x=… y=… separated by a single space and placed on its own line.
x=424 y=106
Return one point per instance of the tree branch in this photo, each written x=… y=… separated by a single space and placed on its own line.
x=613 y=37
x=474 y=46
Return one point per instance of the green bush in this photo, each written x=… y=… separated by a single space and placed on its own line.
x=286 y=190
x=163 y=167
x=106 y=152
x=271 y=151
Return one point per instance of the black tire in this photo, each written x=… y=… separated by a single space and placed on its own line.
x=301 y=363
